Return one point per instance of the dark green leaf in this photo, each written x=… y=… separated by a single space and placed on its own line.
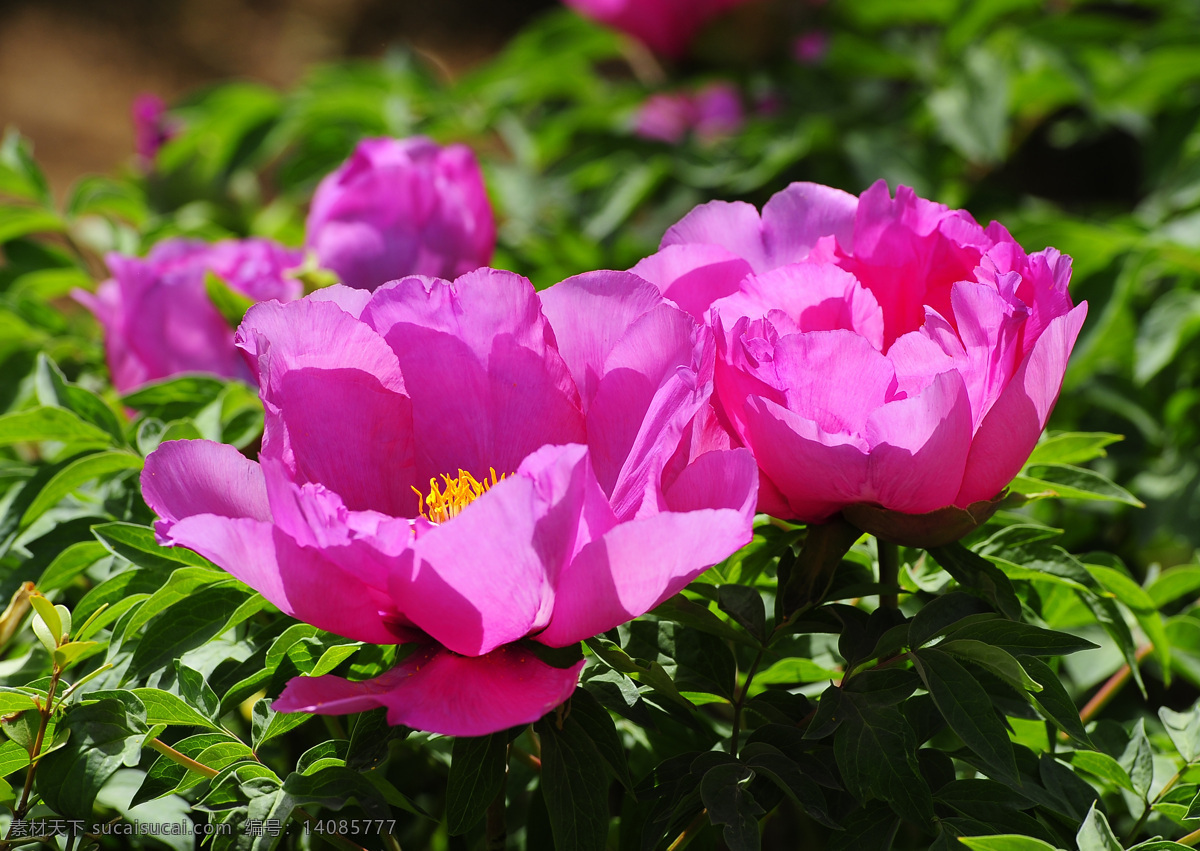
x=576 y=793
x=725 y=792
x=1022 y=638
x=744 y=605
x=974 y=571
x=599 y=727
x=968 y=710
x=1069 y=482
x=876 y=751
x=137 y=544
x=75 y=474
x=186 y=625
x=477 y=770
x=943 y=613
x=1053 y=699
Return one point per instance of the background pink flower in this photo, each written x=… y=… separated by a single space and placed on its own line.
x=402 y=207
x=158 y=319
x=665 y=26
x=565 y=422
x=710 y=112
x=152 y=127
x=872 y=350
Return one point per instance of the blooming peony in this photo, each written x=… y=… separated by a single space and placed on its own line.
x=158 y=319
x=473 y=467
x=711 y=112
x=873 y=352
x=402 y=207
x=665 y=26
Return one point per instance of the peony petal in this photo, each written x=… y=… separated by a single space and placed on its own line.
x=640 y=563
x=734 y=225
x=692 y=276
x=439 y=692
x=796 y=217
x=1011 y=428
x=182 y=478
x=349 y=299
x=486 y=577
x=299 y=580
x=337 y=412
x=487 y=385
x=919 y=447
x=817 y=473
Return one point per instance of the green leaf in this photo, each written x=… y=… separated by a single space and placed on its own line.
x=1123 y=588
x=65 y=655
x=162 y=707
x=1174 y=583
x=165 y=774
x=18 y=221
x=1069 y=482
x=231 y=304
x=477 y=771
x=268 y=724
x=218 y=755
x=1103 y=766
x=196 y=692
x=1053 y=700
x=1138 y=760
x=69 y=564
x=1072 y=447
x=49 y=615
x=1095 y=834
x=943 y=613
x=104 y=736
x=1005 y=842
x=54 y=390
x=791 y=670
x=181 y=585
x=187 y=625
x=76 y=474
x=993 y=659
x=876 y=750
x=369 y=740
x=744 y=605
x=679 y=609
x=1021 y=638
x=1184 y=730
x=576 y=793
x=46 y=423
x=725 y=793
x=770 y=762
x=967 y=708
x=973 y=571
x=13 y=757
x=599 y=727
x=333 y=786
x=20 y=175
x=136 y=544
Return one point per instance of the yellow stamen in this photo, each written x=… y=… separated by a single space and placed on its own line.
x=455 y=493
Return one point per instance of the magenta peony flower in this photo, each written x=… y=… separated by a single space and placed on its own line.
x=710 y=112
x=152 y=128
x=665 y=26
x=158 y=319
x=471 y=466
x=810 y=47
x=873 y=351
x=402 y=207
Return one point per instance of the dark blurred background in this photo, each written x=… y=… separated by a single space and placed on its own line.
x=70 y=69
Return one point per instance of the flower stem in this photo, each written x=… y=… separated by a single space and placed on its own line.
x=176 y=757
x=689 y=832
x=889 y=573
x=35 y=754
x=497 y=831
x=740 y=701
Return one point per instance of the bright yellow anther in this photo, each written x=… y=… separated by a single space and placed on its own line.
x=448 y=499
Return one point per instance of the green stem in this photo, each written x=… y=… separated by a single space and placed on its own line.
x=689 y=832
x=740 y=701
x=178 y=758
x=889 y=572
x=36 y=752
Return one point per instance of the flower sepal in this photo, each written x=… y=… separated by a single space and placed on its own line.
x=932 y=529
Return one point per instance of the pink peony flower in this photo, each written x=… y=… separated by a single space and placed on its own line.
x=402 y=207
x=711 y=112
x=472 y=466
x=810 y=48
x=873 y=351
x=665 y=26
x=158 y=319
x=152 y=127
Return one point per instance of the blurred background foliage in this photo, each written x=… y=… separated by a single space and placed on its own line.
x=1076 y=124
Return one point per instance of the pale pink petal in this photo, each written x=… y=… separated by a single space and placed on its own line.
x=440 y=692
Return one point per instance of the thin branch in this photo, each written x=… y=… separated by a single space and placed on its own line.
x=689 y=832
x=1113 y=687
x=176 y=757
x=741 y=700
x=36 y=753
x=889 y=573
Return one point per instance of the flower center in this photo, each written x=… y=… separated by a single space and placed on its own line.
x=448 y=499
